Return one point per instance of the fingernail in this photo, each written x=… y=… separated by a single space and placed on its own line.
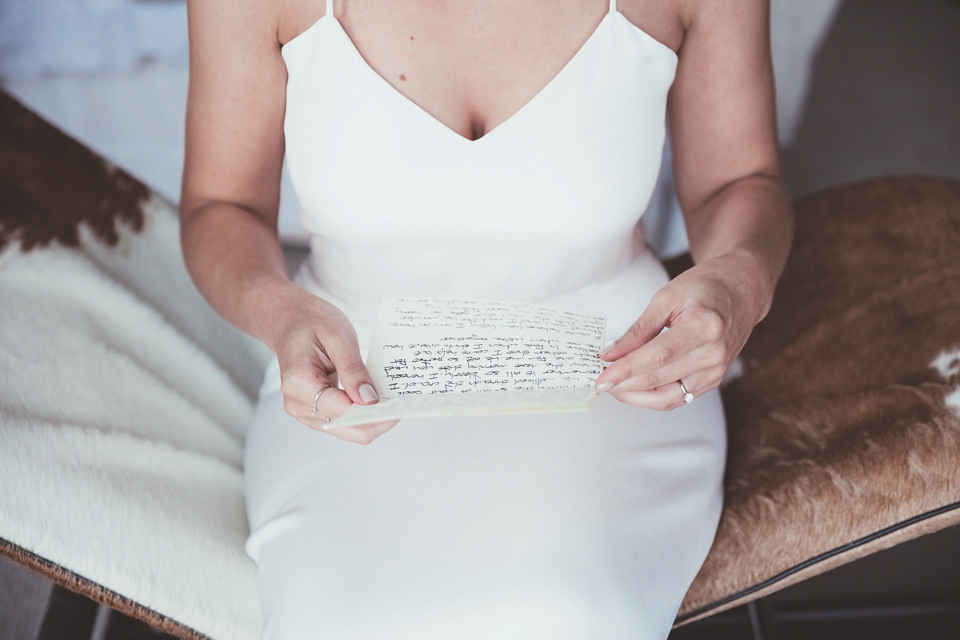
x=604 y=386
x=606 y=350
x=368 y=394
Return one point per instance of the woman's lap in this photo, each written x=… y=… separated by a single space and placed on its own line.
x=563 y=526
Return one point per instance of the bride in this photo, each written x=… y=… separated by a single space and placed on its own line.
x=485 y=149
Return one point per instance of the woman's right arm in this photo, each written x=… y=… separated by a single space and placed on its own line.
x=229 y=206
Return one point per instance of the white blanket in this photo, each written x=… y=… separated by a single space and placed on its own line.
x=124 y=401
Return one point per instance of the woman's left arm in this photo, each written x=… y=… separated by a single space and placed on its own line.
x=738 y=217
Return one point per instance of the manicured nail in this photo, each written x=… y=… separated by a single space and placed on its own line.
x=368 y=394
x=604 y=386
x=606 y=350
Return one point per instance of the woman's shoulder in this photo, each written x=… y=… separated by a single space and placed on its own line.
x=660 y=19
x=670 y=21
x=271 y=22
x=296 y=16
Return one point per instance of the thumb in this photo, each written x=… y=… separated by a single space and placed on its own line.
x=352 y=373
x=647 y=327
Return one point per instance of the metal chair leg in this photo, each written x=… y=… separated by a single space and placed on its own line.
x=761 y=620
x=101 y=623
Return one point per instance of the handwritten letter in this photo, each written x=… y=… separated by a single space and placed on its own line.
x=441 y=356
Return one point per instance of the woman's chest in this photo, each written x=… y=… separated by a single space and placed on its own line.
x=471 y=65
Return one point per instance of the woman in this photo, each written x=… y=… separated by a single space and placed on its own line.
x=494 y=149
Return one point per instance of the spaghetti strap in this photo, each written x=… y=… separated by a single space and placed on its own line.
x=613 y=6
x=329 y=10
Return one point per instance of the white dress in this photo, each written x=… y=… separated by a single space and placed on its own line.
x=553 y=526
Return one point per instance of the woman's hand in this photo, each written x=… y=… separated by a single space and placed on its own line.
x=316 y=346
x=723 y=134
x=710 y=311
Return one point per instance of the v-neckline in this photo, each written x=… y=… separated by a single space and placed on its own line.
x=419 y=108
x=525 y=107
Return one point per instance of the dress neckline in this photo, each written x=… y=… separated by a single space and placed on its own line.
x=608 y=18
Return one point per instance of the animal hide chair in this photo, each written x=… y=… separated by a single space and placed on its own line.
x=124 y=397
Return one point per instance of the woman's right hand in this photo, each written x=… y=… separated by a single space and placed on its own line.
x=229 y=208
x=316 y=346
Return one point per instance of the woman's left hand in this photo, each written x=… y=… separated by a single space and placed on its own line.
x=710 y=311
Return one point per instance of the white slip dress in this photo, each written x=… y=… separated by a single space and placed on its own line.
x=563 y=526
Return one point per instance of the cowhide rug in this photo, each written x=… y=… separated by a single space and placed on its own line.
x=124 y=397
x=844 y=426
